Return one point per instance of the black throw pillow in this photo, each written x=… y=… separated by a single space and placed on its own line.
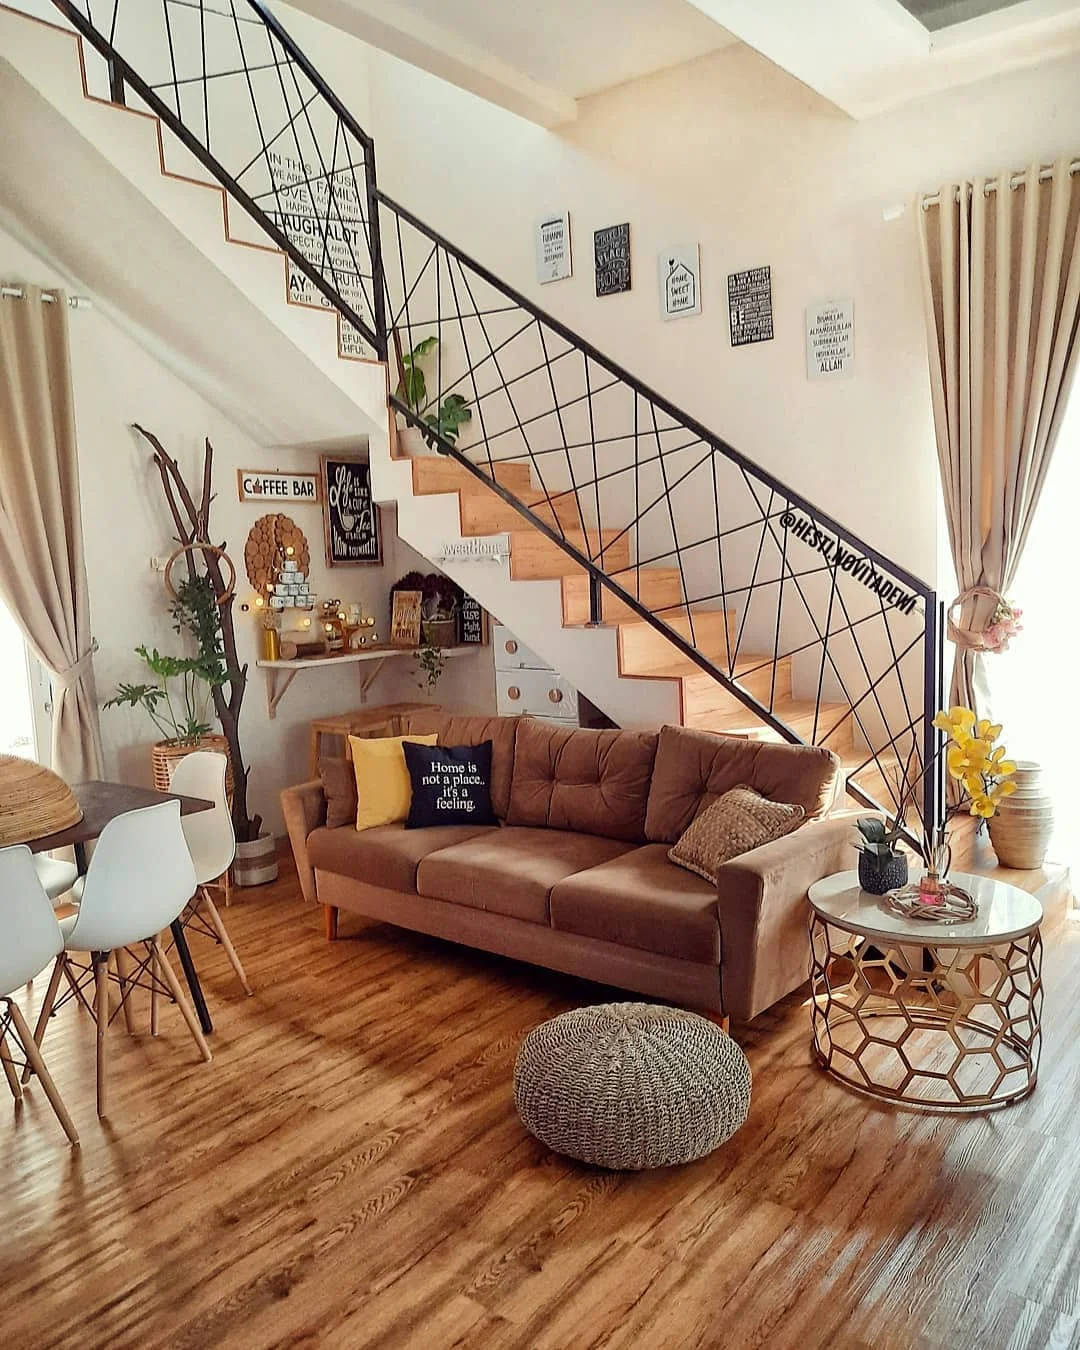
x=451 y=785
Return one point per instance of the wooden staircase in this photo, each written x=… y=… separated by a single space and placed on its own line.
x=644 y=652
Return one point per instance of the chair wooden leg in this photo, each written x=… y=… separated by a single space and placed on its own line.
x=169 y=976
x=59 y=966
x=73 y=983
x=101 y=1014
x=123 y=979
x=330 y=919
x=10 y=1072
x=33 y=1054
x=154 y=994
x=223 y=938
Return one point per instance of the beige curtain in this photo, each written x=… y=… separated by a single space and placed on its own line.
x=1001 y=292
x=42 y=570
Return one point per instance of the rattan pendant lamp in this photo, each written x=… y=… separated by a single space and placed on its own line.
x=34 y=802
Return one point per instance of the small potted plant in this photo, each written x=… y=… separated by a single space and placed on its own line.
x=882 y=866
x=446 y=419
x=439 y=610
x=430 y=663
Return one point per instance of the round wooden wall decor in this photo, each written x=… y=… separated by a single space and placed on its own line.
x=266 y=543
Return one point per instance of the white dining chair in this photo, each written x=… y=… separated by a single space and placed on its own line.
x=56 y=876
x=138 y=882
x=29 y=939
x=211 y=843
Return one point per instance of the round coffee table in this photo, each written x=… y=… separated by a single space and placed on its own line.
x=935 y=1016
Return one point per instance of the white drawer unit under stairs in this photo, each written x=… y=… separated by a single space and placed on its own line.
x=526 y=684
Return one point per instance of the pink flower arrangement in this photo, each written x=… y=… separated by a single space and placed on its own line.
x=1004 y=626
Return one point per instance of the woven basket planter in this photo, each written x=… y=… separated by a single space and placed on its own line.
x=631 y=1085
x=34 y=801
x=166 y=755
x=256 y=861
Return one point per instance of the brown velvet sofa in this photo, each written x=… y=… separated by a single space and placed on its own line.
x=577 y=879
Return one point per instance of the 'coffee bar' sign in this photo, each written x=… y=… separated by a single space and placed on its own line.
x=256 y=486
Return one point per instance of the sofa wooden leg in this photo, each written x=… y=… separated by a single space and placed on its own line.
x=330 y=918
x=721 y=1020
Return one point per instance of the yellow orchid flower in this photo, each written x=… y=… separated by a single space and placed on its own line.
x=972 y=784
x=987 y=731
x=1006 y=789
x=982 y=806
x=957 y=723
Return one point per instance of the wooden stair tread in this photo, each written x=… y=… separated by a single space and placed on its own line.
x=798 y=714
x=437 y=473
x=657 y=588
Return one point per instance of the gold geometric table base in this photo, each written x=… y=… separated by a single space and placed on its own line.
x=949 y=1028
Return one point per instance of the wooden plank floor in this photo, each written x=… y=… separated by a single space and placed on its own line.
x=350 y=1172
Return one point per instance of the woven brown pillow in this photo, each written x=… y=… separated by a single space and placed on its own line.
x=735 y=823
x=339 y=787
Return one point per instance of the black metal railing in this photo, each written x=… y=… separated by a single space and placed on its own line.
x=655 y=509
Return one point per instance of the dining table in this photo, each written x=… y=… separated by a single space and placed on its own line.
x=102 y=802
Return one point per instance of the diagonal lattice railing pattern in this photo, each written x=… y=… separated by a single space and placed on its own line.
x=651 y=505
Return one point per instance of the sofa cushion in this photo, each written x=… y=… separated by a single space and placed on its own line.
x=339 y=786
x=693 y=768
x=510 y=871
x=383 y=785
x=737 y=822
x=595 y=782
x=455 y=729
x=641 y=900
x=385 y=855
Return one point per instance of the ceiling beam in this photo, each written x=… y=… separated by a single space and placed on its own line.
x=411 y=37
x=866 y=56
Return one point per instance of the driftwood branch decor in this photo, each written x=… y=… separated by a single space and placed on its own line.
x=192 y=522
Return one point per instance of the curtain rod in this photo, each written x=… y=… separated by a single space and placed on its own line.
x=1017 y=180
x=74 y=301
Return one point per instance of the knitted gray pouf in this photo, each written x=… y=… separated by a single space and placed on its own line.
x=631 y=1085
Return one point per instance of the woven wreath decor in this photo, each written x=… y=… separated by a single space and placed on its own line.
x=995 y=637
x=631 y=1085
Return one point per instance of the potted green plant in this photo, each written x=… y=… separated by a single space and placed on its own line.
x=438 y=610
x=179 y=698
x=447 y=418
x=882 y=866
x=430 y=663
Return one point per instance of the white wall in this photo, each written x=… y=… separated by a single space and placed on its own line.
x=733 y=153
x=126 y=521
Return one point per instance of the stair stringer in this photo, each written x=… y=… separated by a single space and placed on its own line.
x=587 y=657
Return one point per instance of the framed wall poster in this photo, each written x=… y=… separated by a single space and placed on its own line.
x=473 y=630
x=554 y=257
x=611 y=255
x=405 y=619
x=830 y=339
x=253 y=485
x=351 y=520
x=750 y=306
x=679 y=277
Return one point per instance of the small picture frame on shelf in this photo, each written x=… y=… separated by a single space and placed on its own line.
x=405 y=619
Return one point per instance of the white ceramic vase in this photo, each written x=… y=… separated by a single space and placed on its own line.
x=1021 y=828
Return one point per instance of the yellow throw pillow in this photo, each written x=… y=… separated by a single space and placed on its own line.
x=383 y=785
x=735 y=823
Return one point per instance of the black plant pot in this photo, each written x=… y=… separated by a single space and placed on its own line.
x=878 y=875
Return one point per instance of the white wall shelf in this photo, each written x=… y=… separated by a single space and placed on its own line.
x=280 y=674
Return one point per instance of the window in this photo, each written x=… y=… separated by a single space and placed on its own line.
x=1033 y=684
x=24 y=696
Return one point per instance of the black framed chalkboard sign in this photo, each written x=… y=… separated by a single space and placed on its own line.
x=472 y=623
x=351 y=524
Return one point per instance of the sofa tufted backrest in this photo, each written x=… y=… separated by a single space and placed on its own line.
x=693 y=768
x=571 y=778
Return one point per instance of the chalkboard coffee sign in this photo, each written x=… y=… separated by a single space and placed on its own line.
x=350 y=516
x=611 y=252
